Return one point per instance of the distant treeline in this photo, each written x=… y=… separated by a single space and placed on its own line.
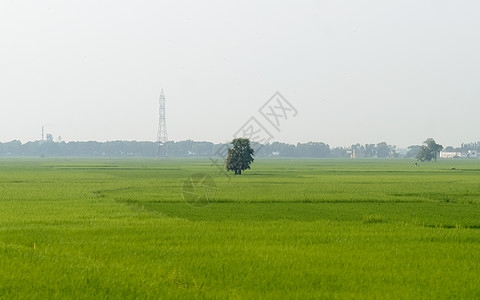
x=182 y=149
x=465 y=147
x=202 y=149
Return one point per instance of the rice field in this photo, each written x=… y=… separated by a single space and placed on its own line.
x=293 y=229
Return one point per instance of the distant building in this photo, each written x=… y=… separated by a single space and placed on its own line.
x=351 y=153
x=473 y=154
x=468 y=154
x=450 y=154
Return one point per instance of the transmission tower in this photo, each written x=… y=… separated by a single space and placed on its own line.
x=162 y=124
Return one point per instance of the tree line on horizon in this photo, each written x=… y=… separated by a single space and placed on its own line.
x=191 y=148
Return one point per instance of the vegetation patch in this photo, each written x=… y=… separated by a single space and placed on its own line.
x=373 y=219
x=284 y=229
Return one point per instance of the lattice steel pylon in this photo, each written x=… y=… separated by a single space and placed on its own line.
x=162 y=124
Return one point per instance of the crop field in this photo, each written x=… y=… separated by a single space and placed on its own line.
x=120 y=228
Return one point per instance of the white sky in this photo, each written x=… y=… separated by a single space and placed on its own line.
x=356 y=71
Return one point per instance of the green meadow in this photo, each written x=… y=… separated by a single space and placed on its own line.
x=295 y=229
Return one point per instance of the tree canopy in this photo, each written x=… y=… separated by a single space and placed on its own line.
x=240 y=156
x=429 y=150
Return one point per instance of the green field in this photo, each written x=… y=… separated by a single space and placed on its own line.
x=113 y=228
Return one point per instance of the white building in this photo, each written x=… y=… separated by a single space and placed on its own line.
x=468 y=154
x=444 y=154
x=473 y=154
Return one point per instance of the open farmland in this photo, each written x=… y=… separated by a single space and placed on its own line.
x=285 y=229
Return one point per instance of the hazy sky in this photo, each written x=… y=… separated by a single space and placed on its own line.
x=356 y=71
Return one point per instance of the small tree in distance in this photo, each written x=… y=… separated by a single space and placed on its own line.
x=240 y=156
x=429 y=151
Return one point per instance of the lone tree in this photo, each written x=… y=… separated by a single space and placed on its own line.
x=240 y=156
x=429 y=150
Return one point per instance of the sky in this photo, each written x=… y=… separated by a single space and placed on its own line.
x=351 y=71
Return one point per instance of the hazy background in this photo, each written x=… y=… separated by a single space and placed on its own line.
x=357 y=71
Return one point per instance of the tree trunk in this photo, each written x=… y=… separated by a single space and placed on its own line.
x=236 y=172
x=239 y=172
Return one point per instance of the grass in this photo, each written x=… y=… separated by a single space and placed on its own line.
x=112 y=228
